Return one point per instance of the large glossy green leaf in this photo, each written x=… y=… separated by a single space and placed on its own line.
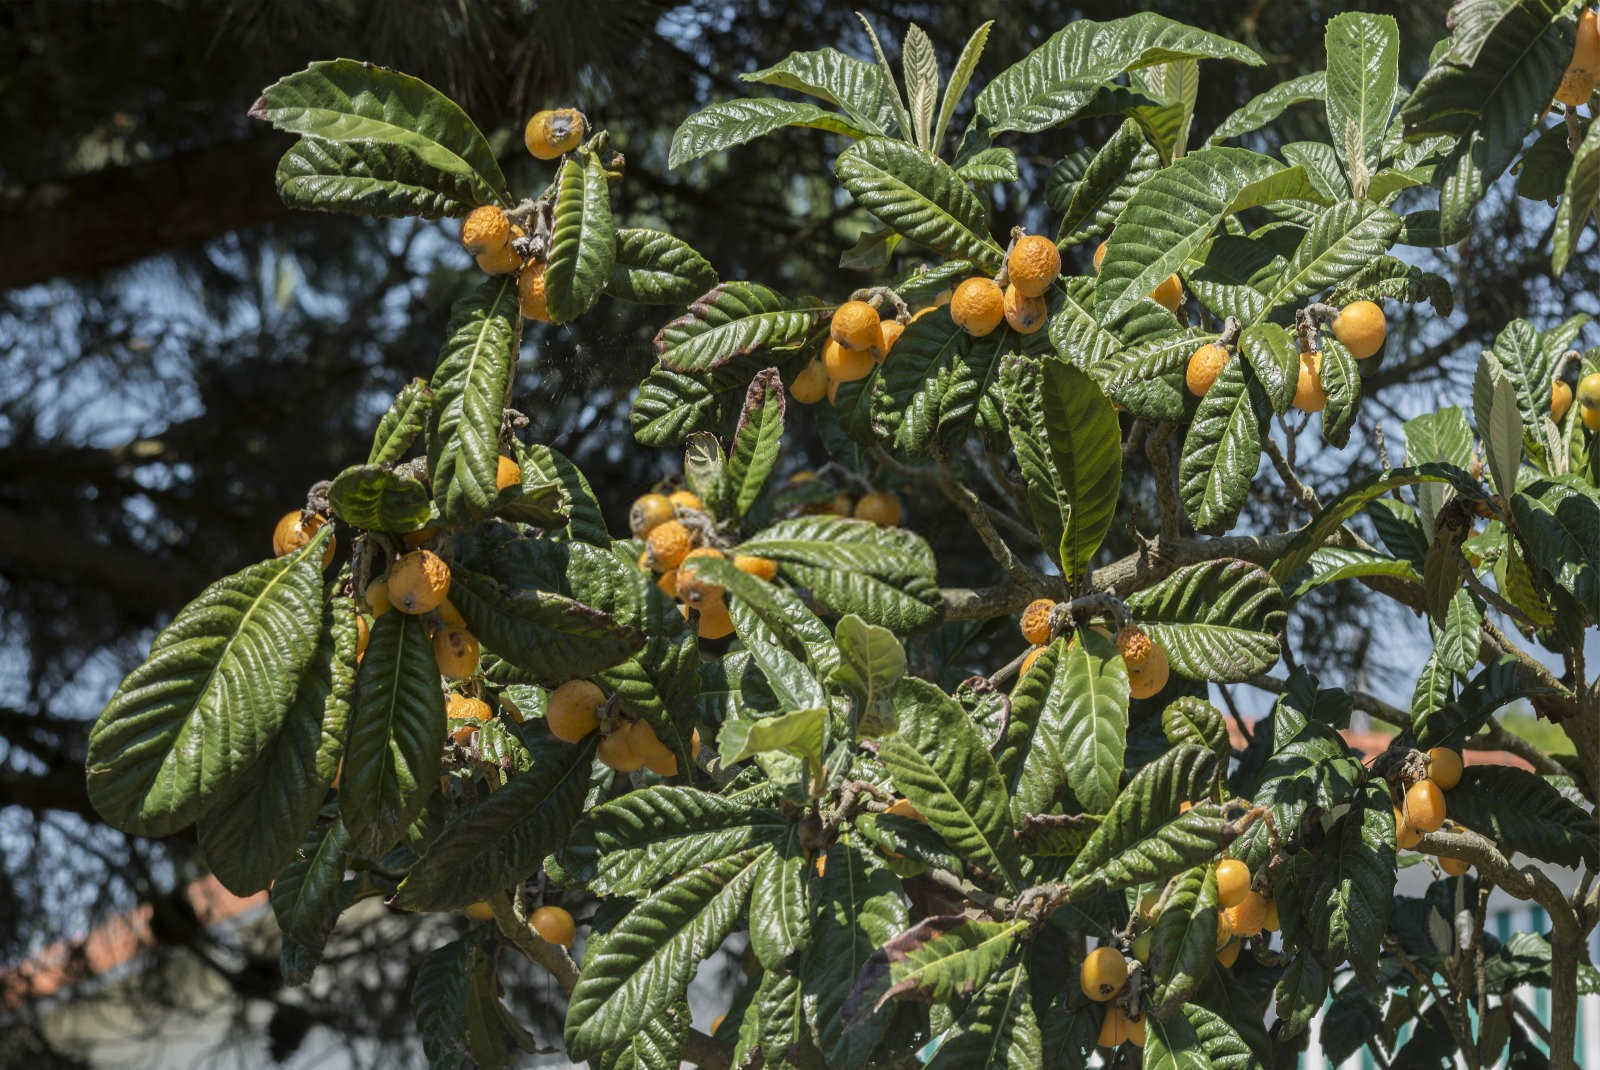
x=938 y=762
x=500 y=840
x=997 y=1029
x=728 y=321
x=1578 y=197
x=401 y=423
x=786 y=617
x=1342 y=241
x=583 y=238
x=653 y=267
x=854 y=85
x=1185 y=941
x=254 y=830
x=1363 y=79
x=1301 y=991
x=1334 y=563
x=886 y=575
x=1085 y=444
x=756 y=438
x=860 y=907
x=1059 y=78
x=1440 y=720
x=363 y=105
x=1341 y=382
x=210 y=697
x=1222 y=450
x=1560 y=521
x=734 y=122
x=1349 y=911
x=1268 y=105
x=1090 y=202
x=798 y=732
x=1020 y=387
x=456 y=1001
x=940 y=381
x=306 y=895
x=920 y=66
x=1274 y=356
x=1219 y=620
x=1191 y=719
x=920 y=197
x=1143 y=837
x=1172 y=1044
x=1068 y=727
x=940 y=957
x=780 y=902
x=956 y=87
x=373 y=178
x=648 y=837
x=1525 y=813
x=1222 y=1044
x=397 y=727
x=378 y=499
x=670 y=406
x=1175 y=87
x=647 y=961
x=871 y=660
x=577 y=503
x=1527 y=356
x=469 y=388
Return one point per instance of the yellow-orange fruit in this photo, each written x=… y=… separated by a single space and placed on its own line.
x=669 y=543
x=1027 y=662
x=377 y=597
x=573 y=710
x=762 y=568
x=1204 y=367
x=486 y=228
x=295 y=529
x=501 y=261
x=1033 y=265
x=833 y=389
x=892 y=330
x=1117 y=1029
x=480 y=911
x=455 y=650
x=1424 y=807
x=978 y=306
x=532 y=299
x=668 y=583
x=1103 y=974
x=1308 y=392
x=554 y=924
x=1249 y=915
x=1036 y=620
x=1151 y=675
x=811 y=384
x=1169 y=293
x=1360 y=328
x=450 y=616
x=1405 y=837
x=1185 y=806
x=648 y=511
x=928 y=311
x=507 y=473
x=1024 y=314
x=856 y=325
x=554 y=131
x=1455 y=867
x=363 y=635
x=616 y=751
x=1444 y=767
x=1576 y=88
x=692 y=589
x=1589 y=400
x=464 y=714
x=712 y=620
x=838 y=505
x=1269 y=920
x=1233 y=882
x=648 y=746
x=1560 y=399
x=418 y=582
x=1099 y=256
x=686 y=499
x=1224 y=929
x=1229 y=954
x=881 y=507
x=845 y=365
x=1578 y=81
x=902 y=807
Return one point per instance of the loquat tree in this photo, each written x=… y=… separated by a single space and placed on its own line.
x=737 y=718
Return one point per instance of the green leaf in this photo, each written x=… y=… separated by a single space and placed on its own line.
x=1442 y=721
x=1223 y=1047
x=648 y=837
x=1085 y=444
x=783 y=613
x=1267 y=106
x=658 y=1046
x=756 y=439
x=470 y=387
x=871 y=659
x=1068 y=726
x=860 y=907
x=1342 y=241
x=1363 y=80
x=1195 y=721
x=1349 y=910
x=892 y=91
x=1177 y=86
x=210 y=697
x=1334 y=563
x=1500 y=425
x=363 y=105
x=403 y=421
x=1443 y=436
x=997 y=164
x=1527 y=358
x=1321 y=164
x=939 y=762
x=853 y=85
x=1172 y=1044
x=1185 y=940
x=997 y=1029
x=1222 y=450
x=1274 y=357
x=1171 y=215
x=499 y=841
x=731 y=320
x=397 y=727
x=646 y=962
x=1458 y=636
x=798 y=733
x=735 y=122
x=1300 y=992
x=452 y=1008
x=1578 y=198
x=670 y=406
x=1143 y=837
x=654 y=268
x=934 y=961
x=920 y=197
x=919 y=66
x=375 y=498
x=305 y=896
x=254 y=830
x=956 y=88
x=551 y=637
x=1059 y=78
x=1524 y=812
x=540 y=463
x=1091 y=202
x=583 y=239
x=780 y=902
x=1560 y=520
x=374 y=178
x=886 y=575
x=1021 y=388
x=940 y=382
x=1341 y=381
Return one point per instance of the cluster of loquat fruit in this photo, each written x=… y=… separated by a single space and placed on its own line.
x=1359 y=327
x=1421 y=810
x=1146 y=661
x=1588 y=400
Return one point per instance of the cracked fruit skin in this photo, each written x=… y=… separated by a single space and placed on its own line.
x=1204 y=367
x=1117 y=1029
x=532 y=301
x=881 y=507
x=1036 y=621
x=1024 y=314
x=1308 y=393
x=856 y=326
x=1233 y=882
x=554 y=924
x=1360 y=328
x=485 y=230
x=1444 y=767
x=978 y=306
x=418 y=582
x=1033 y=265
x=1103 y=973
x=669 y=543
x=1424 y=808
x=294 y=530
x=810 y=385
x=554 y=131
x=573 y=710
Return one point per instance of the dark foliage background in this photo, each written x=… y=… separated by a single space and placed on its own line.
x=180 y=356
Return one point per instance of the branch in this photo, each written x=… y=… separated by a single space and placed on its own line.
x=977 y=515
x=1361 y=700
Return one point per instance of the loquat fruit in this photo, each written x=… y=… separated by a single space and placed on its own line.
x=1269 y=920
x=485 y=229
x=1589 y=400
x=507 y=473
x=1308 y=393
x=573 y=710
x=1103 y=973
x=418 y=582
x=648 y=746
x=1424 y=808
x=1229 y=954
x=669 y=543
x=881 y=507
x=1360 y=328
x=686 y=499
x=1560 y=399
x=1117 y=1029
x=1169 y=294
x=616 y=751
x=377 y=597
x=1024 y=314
x=811 y=384
x=978 y=306
x=1033 y=265
x=1444 y=767
x=456 y=652
x=648 y=511
x=762 y=568
x=464 y=714
x=295 y=529
x=480 y=911
x=1204 y=367
x=554 y=924
x=845 y=365
x=450 y=616
x=1578 y=81
x=363 y=636
x=892 y=330
x=1249 y=915
x=1455 y=867
x=1035 y=621
x=532 y=300
x=856 y=326
x=1233 y=882
x=1100 y=256
x=1405 y=837
x=1027 y=662
x=503 y=260
x=554 y=131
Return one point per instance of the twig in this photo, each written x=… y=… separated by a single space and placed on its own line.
x=970 y=504
x=1285 y=467
x=1155 y=447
